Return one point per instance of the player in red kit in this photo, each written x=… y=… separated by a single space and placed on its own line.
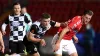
x=64 y=42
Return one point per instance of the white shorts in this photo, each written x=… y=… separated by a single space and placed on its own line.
x=66 y=46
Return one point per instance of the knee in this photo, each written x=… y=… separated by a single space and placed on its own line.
x=74 y=54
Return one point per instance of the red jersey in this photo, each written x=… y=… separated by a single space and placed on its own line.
x=74 y=25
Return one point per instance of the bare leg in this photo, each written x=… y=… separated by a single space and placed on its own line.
x=35 y=54
x=13 y=54
x=74 y=54
x=58 y=55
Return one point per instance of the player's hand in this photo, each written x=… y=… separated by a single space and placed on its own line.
x=3 y=32
x=2 y=48
x=57 y=46
x=42 y=42
x=76 y=40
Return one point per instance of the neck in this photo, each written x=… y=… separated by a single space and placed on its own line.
x=17 y=14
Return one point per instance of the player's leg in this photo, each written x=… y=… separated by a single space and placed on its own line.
x=74 y=54
x=20 y=48
x=59 y=51
x=35 y=54
x=12 y=48
x=32 y=50
x=58 y=55
x=71 y=49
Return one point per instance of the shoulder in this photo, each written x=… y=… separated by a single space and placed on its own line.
x=11 y=14
x=36 y=23
x=34 y=27
x=76 y=18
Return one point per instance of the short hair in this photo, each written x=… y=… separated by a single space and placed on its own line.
x=45 y=16
x=23 y=7
x=89 y=12
x=16 y=4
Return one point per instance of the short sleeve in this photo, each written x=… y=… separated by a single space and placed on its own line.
x=26 y=19
x=34 y=28
x=6 y=21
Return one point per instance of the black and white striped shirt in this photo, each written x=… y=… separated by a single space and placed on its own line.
x=40 y=30
x=17 y=26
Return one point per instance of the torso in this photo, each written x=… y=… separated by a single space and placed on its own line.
x=75 y=25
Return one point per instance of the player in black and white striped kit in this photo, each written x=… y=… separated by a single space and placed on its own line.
x=37 y=31
x=16 y=22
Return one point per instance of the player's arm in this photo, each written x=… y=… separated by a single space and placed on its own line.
x=75 y=39
x=3 y=27
x=63 y=32
x=57 y=24
x=29 y=22
x=1 y=43
x=61 y=35
x=31 y=37
x=31 y=34
x=29 y=17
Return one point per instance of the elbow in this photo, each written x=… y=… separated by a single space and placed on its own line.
x=3 y=27
x=29 y=38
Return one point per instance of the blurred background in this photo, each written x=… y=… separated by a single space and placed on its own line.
x=61 y=11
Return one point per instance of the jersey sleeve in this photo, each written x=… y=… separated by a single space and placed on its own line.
x=6 y=21
x=52 y=23
x=34 y=29
x=26 y=19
